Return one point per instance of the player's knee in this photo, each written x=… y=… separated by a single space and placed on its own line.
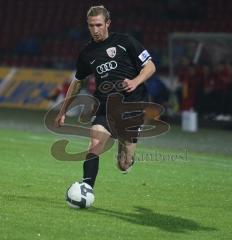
x=96 y=146
x=124 y=161
x=125 y=156
x=122 y=166
x=95 y=142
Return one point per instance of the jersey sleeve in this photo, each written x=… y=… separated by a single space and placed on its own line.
x=83 y=68
x=137 y=52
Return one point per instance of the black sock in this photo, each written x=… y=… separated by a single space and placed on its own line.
x=90 y=169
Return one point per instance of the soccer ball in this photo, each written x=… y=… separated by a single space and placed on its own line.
x=80 y=195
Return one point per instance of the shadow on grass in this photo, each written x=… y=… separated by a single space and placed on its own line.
x=140 y=215
x=32 y=200
x=146 y=217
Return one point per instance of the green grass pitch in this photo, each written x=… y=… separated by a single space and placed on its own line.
x=186 y=198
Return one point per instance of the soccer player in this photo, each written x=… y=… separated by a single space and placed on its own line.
x=111 y=57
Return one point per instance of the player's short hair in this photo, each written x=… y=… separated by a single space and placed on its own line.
x=98 y=10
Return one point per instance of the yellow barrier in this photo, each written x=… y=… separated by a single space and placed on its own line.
x=28 y=88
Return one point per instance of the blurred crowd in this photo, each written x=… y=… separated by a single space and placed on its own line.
x=207 y=89
x=50 y=33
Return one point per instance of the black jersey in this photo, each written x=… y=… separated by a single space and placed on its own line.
x=118 y=57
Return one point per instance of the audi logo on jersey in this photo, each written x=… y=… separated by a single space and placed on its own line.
x=105 y=67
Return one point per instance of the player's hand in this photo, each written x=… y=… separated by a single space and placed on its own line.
x=59 y=120
x=130 y=85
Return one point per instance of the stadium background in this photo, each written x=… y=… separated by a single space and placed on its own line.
x=39 y=44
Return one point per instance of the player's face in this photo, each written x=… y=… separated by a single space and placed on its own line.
x=98 y=28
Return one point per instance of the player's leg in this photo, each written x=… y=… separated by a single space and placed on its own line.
x=125 y=158
x=99 y=136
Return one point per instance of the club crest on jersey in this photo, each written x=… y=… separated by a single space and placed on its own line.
x=111 y=52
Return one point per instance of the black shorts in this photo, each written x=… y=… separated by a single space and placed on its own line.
x=131 y=135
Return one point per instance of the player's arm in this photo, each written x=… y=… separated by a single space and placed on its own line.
x=147 y=71
x=73 y=90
